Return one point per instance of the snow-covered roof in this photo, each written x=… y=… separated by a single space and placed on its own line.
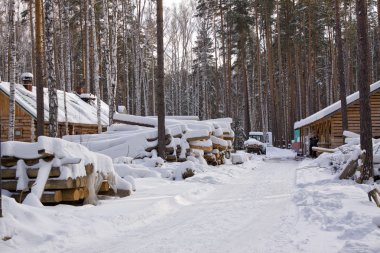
x=78 y=111
x=332 y=108
x=26 y=75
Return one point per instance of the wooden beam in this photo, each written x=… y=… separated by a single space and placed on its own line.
x=33 y=172
x=46 y=198
x=71 y=195
x=199 y=138
x=349 y=170
x=7 y=173
x=208 y=148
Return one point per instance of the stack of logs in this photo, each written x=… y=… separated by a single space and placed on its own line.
x=214 y=152
x=56 y=190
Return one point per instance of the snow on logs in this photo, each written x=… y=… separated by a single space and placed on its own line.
x=54 y=170
x=184 y=136
x=349 y=157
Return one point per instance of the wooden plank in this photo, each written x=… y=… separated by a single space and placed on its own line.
x=132 y=123
x=9 y=161
x=7 y=173
x=46 y=198
x=207 y=148
x=199 y=138
x=33 y=172
x=323 y=150
x=10 y=185
x=349 y=170
x=59 y=184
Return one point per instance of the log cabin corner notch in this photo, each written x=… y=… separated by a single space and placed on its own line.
x=81 y=115
x=327 y=123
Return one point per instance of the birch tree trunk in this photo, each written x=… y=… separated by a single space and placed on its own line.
x=12 y=66
x=62 y=68
x=32 y=38
x=52 y=83
x=66 y=41
x=104 y=40
x=96 y=67
x=113 y=78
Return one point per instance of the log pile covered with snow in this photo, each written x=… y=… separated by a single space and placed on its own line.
x=53 y=170
x=186 y=138
x=346 y=159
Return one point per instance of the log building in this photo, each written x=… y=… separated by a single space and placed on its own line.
x=327 y=123
x=81 y=113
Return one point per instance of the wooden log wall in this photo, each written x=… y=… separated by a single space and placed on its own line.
x=354 y=120
x=24 y=123
x=329 y=129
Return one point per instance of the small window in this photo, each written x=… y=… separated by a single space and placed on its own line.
x=18 y=132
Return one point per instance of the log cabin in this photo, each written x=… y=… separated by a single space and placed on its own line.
x=327 y=123
x=81 y=113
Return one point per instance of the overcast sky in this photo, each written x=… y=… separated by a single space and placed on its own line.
x=169 y=3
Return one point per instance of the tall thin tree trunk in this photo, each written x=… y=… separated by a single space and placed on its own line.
x=32 y=38
x=342 y=83
x=12 y=66
x=160 y=98
x=268 y=39
x=39 y=81
x=87 y=45
x=96 y=67
x=52 y=82
x=106 y=51
x=113 y=58
x=364 y=89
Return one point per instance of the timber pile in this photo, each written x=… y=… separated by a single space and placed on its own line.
x=347 y=159
x=54 y=176
x=212 y=140
x=56 y=189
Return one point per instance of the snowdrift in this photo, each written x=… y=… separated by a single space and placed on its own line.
x=346 y=159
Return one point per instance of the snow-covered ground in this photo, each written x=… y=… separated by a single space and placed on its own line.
x=264 y=205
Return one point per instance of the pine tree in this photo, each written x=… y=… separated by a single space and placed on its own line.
x=160 y=92
x=12 y=66
x=364 y=91
x=342 y=83
x=39 y=69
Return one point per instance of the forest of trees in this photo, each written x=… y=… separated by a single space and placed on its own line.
x=265 y=63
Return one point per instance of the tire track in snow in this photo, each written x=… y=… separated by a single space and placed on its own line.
x=251 y=213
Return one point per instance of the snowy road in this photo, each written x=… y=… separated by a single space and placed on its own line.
x=262 y=206
x=250 y=212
